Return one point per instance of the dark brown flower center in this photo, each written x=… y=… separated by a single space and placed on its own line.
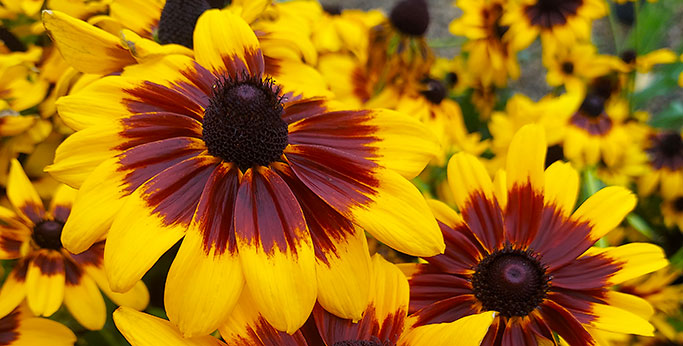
x=678 y=204
x=435 y=91
x=410 y=17
x=451 y=79
x=568 y=67
x=332 y=9
x=555 y=153
x=512 y=282
x=628 y=56
x=666 y=150
x=592 y=106
x=178 y=19
x=550 y=13
x=591 y=115
x=48 y=234
x=243 y=122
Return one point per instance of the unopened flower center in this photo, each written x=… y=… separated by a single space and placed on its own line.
x=667 y=150
x=512 y=282
x=628 y=56
x=678 y=204
x=592 y=106
x=549 y=13
x=243 y=122
x=568 y=67
x=435 y=91
x=48 y=234
x=410 y=17
x=178 y=19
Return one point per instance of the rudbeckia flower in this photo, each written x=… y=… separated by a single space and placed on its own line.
x=19 y=327
x=672 y=211
x=558 y=22
x=491 y=58
x=665 y=168
x=631 y=61
x=572 y=65
x=46 y=274
x=266 y=187
x=521 y=250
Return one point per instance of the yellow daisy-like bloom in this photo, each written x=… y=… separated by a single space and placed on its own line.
x=519 y=249
x=630 y=61
x=266 y=186
x=345 y=31
x=559 y=22
x=491 y=59
x=573 y=65
x=19 y=327
x=453 y=72
x=46 y=274
x=630 y=162
x=665 y=152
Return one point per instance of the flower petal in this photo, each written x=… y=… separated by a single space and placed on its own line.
x=152 y=219
x=341 y=253
x=451 y=333
x=633 y=260
x=565 y=324
x=473 y=192
x=45 y=282
x=526 y=158
x=616 y=320
x=224 y=43
x=13 y=289
x=246 y=326
x=141 y=329
x=379 y=200
x=275 y=249
x=41 y=331
x=207 y=259
x=136 y=298
x=561 y=187
x=62 y=200
x=23 y=195
x=85 y=47
x=84 y=300
x=605 y=210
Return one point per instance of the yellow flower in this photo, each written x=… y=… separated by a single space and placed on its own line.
x=46 y=274
x=665 y=152
x=574 y=64
x=630 y=61
x=672 y=210
x=521 y=253
x=19 y=327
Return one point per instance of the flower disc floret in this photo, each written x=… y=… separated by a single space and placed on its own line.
x=47 y=234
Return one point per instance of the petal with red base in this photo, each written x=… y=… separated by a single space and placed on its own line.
x=152 y=219
x=275 y=249
x=23 y=195
x=45 y=282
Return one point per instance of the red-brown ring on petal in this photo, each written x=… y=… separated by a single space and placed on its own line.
x=463 y=250
x=591 y=116
x=144 y=128
x=9 y=326
x=565 y=324
x=302 y=109
x=273 y=66
x=326 y=226
x=560 y=232
x=91 y=257
x=47 y=234
x=144 y=161
x=586 y=272
x=342 y=179
x=511 y=281
x=447 y=310
x=523 y=214
x=666 y=150
x=34 y=212
x=491 y=16
x=361 y=84
x=267 y=213
x=181 y=97
x=243 y=121
x=21 y=269
x=494 y=336
x=410 y=17
x=260 y=332
x=484 y=217
x=550 y=13
x=338 y=331
x=49 y=265
x=215 y=211
x=72 y=273
x=178 y=19
x=174 y=193
x=61 y=212
x=430 y=286
x=579 y=302
x=348 y=131
x=252 y=64
x=9 y=244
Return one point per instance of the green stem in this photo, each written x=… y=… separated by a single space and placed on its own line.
x=615 y=30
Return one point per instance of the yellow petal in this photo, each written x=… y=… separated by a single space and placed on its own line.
x=605 y=210
x=22 y=195
x=447 y=334
x=526 y=157
x=85 y=47
x=136 y=298
x=45 y=282
x=85 y=303
x=41 y=331
x=561 y=187
x=634 y=260
x=13 y=290
x=618 y=320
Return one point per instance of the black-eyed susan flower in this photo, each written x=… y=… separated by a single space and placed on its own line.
x=264 y=185
x=665 y=165
x=520 y=250
x=491 y=58
x=558 y=22
x=46 y=274
x=573 y=65
x=630 y=61
x=672 y=211
x=19 y=327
